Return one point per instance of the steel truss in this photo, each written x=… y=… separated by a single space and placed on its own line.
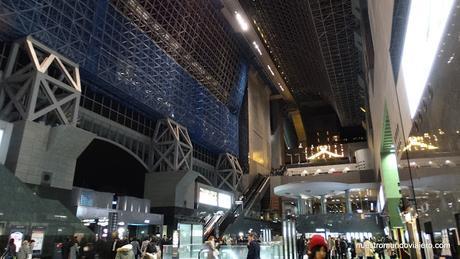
x=38 y=84
x=172 y=148
x=312 y=42
x=121 y=57
x=335 y=28
x=229 y=172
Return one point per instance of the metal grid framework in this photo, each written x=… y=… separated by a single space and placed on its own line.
x=123 y=59
x=335 y=25
x=312 y=43
x=194 y=34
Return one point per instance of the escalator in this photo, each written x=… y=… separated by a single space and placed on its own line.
x=220 y=221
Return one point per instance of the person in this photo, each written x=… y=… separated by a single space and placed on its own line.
x=368 y=249
x=65 y=249
x=343 y=248
x=31 y=248
x=136 y=248
x=10 y=250
x=352 y=246
x=114 y=246
x=330 y=245
x=152 y=249
x=317 y=247
x=144 y=244
x=301 y=246
x=359 y=249
x=74 y=248
x=125 y=251
x=253 y=247
x=23 y=250
x=213 y=253
x=163 y=241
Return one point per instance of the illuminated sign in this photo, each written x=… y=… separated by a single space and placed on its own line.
x=324 y=153
x=215 y=198
x=208 y=197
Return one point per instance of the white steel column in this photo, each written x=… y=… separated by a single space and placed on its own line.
x=38 y=84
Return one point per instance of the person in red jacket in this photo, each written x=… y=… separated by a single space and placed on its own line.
x=317 y=247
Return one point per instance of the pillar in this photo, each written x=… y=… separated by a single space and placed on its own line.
x=348 y=202
x=301 y=208
x=390 y=182
x=323 y=204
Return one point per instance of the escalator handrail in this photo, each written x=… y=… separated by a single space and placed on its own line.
x=259 y=189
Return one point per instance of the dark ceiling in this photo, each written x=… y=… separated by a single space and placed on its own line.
x=312 y=42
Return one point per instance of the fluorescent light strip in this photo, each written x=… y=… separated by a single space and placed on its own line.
x=271 y=71
x=257 y=47
x=241 y=21
x=427 y=20
x=281 y=87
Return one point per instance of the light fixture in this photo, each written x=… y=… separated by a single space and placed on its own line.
x=256 y=46
x=270 y=69
x=362 y=109
x=281 y=87
x=425 y=27
x=241 y=21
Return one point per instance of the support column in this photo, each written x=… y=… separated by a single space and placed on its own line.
x=348 y=202
x=310 y=206
x=301 y=206
x=390 y=182
x=323 y=204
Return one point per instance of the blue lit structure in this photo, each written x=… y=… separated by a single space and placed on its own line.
x=119 y=58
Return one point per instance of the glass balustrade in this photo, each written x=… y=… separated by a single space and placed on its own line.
x=271 y=250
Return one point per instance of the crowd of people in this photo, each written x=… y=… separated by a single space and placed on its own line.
x=115 y=248
x=212 y=246
x=25 y=251
x=341 y=248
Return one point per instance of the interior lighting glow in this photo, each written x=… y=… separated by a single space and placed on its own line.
x=270 y=69
x=426 y=23
x=281 y=87
x=256 y=46
x=241 y=21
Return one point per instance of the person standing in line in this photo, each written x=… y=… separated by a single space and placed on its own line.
x=330 y=245
x=253 y=247
x=359 y=249
x=368 y=249
x=301 y=246
x=317 y=247
x=352 y=246
x=343 y=248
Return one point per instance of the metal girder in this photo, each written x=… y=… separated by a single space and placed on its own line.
x=229 y=172
x=172 y=148
x=39 y=84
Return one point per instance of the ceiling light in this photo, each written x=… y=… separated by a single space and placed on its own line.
x=362 y=109
x=425 y=27
x=271 y=71
x=256 y=46
x=241 y=21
